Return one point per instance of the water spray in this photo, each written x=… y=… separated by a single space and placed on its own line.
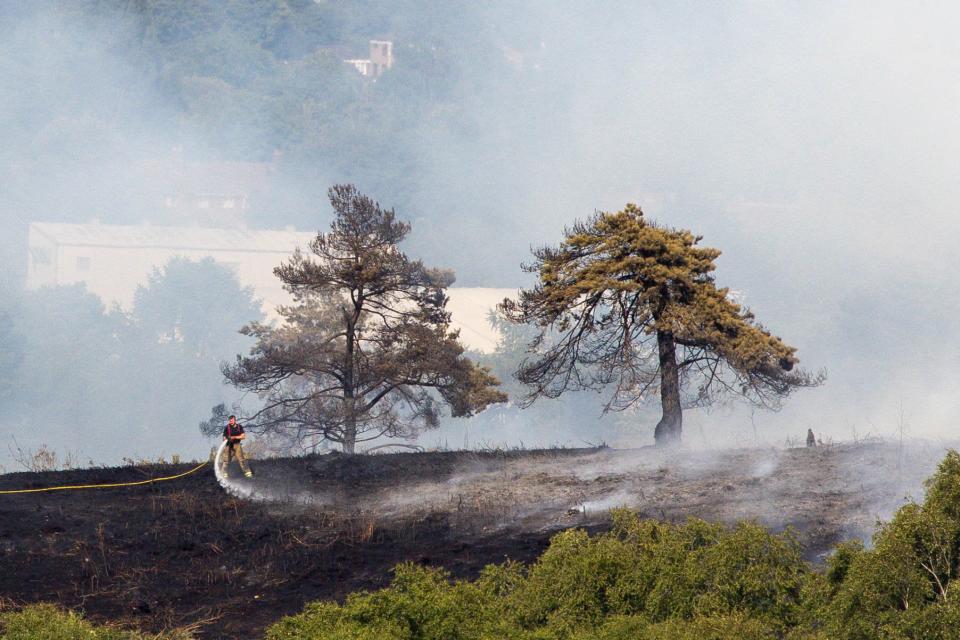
x=259 y=490
x=237 y=489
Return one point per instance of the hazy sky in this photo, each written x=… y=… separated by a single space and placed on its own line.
x=815 y=143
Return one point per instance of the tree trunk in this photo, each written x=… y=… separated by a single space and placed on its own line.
x=349 y=426
x=349 y=401
x=671 y=423
x=349 y=443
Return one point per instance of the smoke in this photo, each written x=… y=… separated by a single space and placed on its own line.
x=825 y=494
x=815 y=144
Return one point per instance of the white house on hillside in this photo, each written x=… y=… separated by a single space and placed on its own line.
x=381 y=59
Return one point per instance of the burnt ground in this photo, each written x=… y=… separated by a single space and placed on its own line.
x=187 y=553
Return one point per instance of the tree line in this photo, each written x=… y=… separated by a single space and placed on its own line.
x=100 y=383
x=237 y=80
x=623 y=306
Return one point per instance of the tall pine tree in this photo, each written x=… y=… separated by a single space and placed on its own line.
x=630 y=306
x=366 y=350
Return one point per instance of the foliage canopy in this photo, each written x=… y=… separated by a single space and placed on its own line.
x=190 y=303
x=642 y=580
x=627 y=304
x=47 y=622
x=366 y=350
x=79 y=368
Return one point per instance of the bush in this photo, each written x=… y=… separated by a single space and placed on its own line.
x=663 y=572
x=420 y=603
x=657 y=580
x=734 y=627
x=904 y=587
x=47 y=622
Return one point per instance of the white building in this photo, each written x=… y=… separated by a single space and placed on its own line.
x=381 y=59
x=112 y=260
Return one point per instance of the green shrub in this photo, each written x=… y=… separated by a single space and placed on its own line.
x=47 y=622
x=943 y=489
x=901 y=587
x=733 y=627
x=421 y=603
x=323 y=620
x=663 y=572
x=578 y=582
x=643 y=575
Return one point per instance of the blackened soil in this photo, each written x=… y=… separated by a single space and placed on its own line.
x=185 y=553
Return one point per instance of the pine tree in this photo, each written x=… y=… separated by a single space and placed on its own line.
x=627 y=305
x=366 y=350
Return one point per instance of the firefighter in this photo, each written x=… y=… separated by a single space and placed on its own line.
x=233 y=434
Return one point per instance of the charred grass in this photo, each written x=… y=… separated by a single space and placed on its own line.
x=184 y=554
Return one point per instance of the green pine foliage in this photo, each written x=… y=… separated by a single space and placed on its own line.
x=366 y=350
x=649 y=580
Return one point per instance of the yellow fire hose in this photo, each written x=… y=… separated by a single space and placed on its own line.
x=112 y=484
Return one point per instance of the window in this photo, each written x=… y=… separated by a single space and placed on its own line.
x=203 y=203
x=229 y=203
x=83 y=263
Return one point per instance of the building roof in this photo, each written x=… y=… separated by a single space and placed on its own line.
x=150 y=236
